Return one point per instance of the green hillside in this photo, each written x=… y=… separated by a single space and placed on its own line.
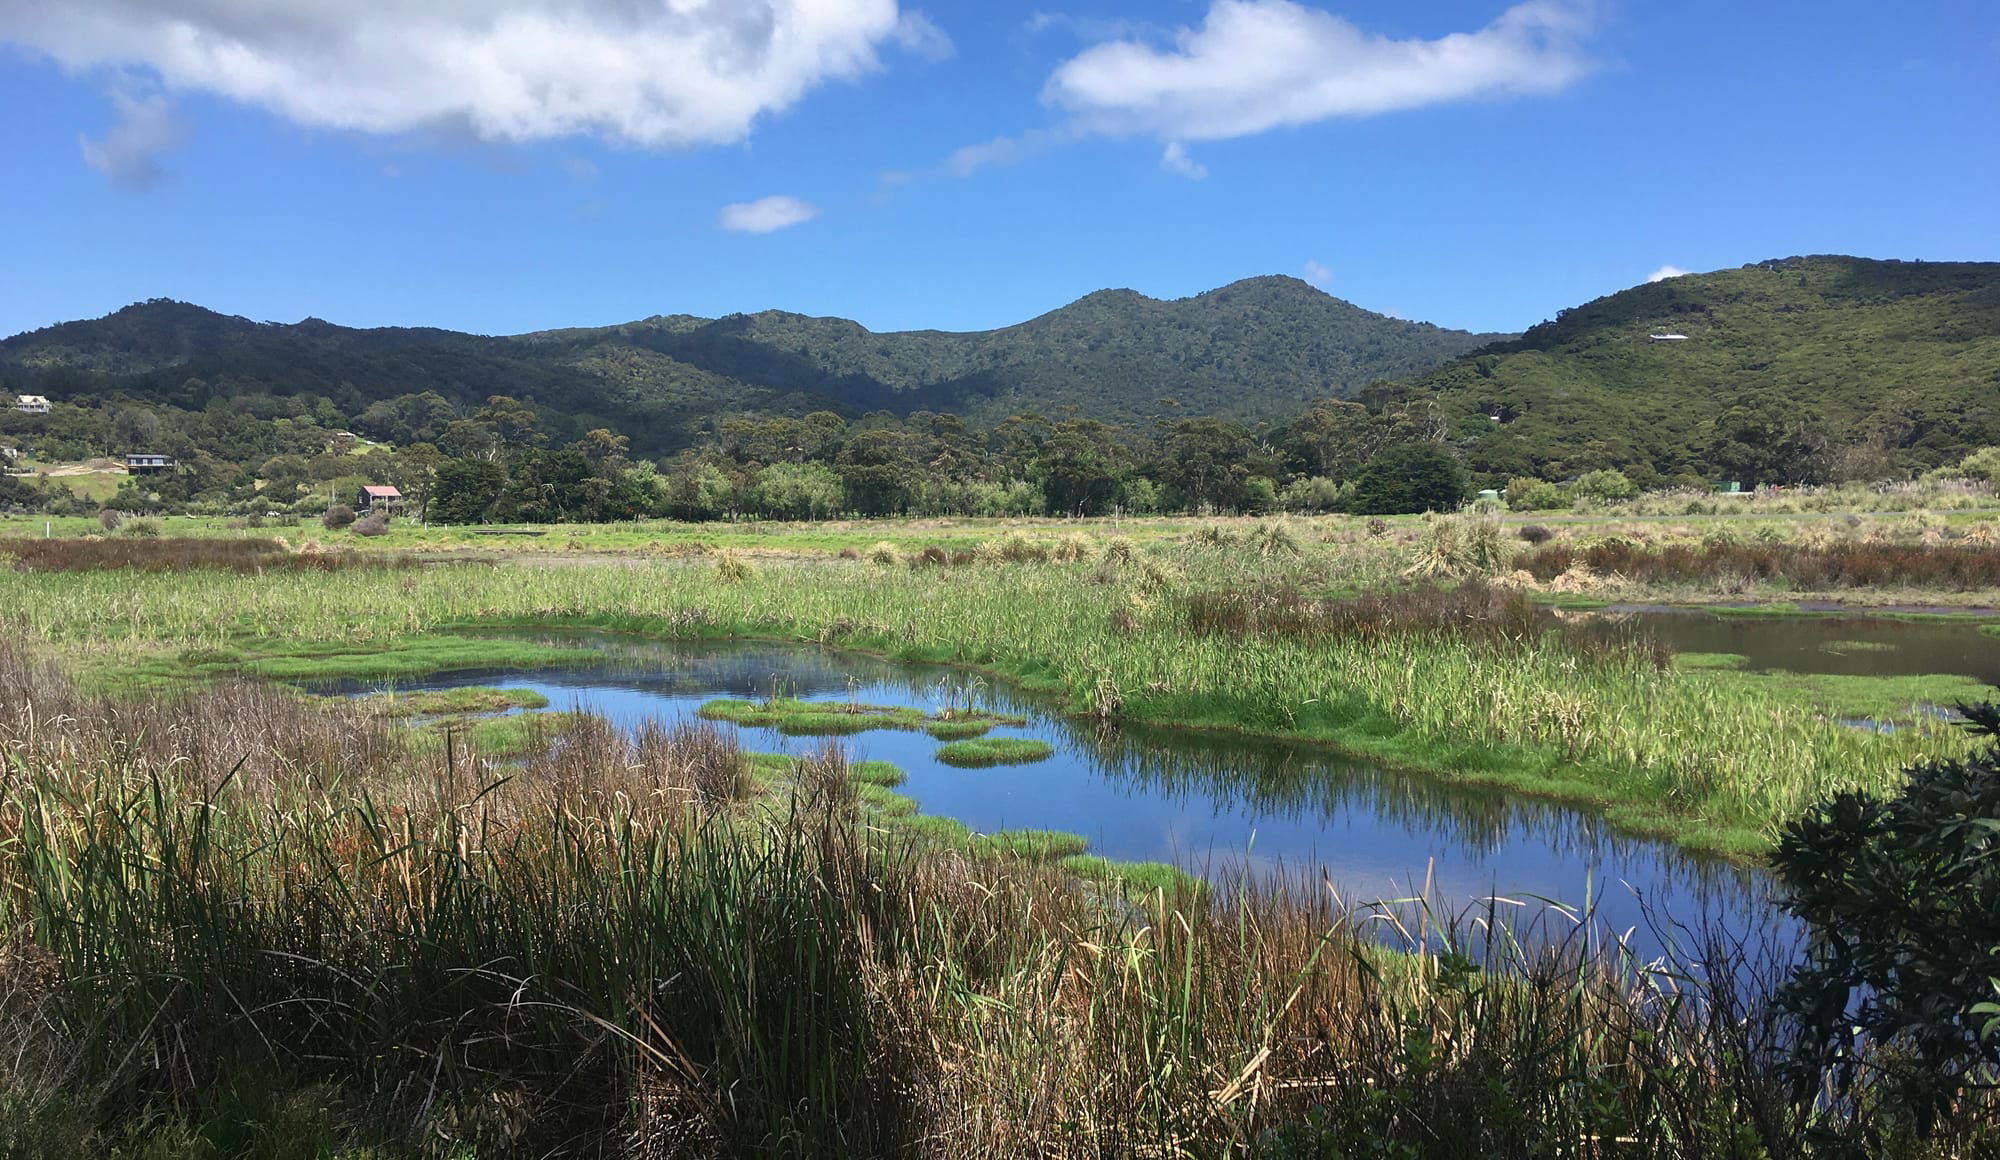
x=1803 y=369
x=1260 y=349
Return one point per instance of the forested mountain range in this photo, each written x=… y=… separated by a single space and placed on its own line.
x=1257 y=350
x=1789 y=371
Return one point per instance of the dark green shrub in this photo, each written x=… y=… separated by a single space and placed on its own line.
x=1409 y=478
x=337 y=517
x=1901 y=895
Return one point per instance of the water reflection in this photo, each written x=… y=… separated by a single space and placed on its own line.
x=1213 y=802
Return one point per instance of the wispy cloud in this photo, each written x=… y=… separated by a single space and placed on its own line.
x=919 y=34
x=1256 y=65
x=1177 y=161
x=1666 y=272
x=766 y=214
x=129 y=152
x=1317 y=273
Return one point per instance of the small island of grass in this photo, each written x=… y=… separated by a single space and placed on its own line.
x=469 y=700
x=994 y=751
x=796 y=718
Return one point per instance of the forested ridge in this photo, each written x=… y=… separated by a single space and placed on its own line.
x=1264 y=394
x=1259 y=349
x=1800 y=370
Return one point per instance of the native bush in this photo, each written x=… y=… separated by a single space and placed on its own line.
x=337 y=517
x=1901 y=893
x=1605 y=485
x=1525 y=493
x=1412 y=477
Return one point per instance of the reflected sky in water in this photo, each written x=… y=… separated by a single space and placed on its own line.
x=1208 y=801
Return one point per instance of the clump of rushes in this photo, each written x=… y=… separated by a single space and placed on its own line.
x=795 y=718
x=1074 y=547
x=885 y=553
x=732 y=567
x=994 y=751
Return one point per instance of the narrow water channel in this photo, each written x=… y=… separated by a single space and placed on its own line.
x=1212 y=803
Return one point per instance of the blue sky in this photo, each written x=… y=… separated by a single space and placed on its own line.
x=506 y=165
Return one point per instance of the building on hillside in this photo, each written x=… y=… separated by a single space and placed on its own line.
x=1666 y=338
x=32 y=404
x=146 y=463
x=371 y=497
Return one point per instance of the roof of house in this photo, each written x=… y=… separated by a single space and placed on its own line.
x=381 y=492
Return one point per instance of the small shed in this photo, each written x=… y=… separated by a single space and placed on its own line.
x=373 y=496
x=147 y=463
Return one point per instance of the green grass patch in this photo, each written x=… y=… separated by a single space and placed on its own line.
x=516 y=736
x=994 y=751
x=880 y=773
x=1702 y=660
x=1844 y=647
x=883 y=801
x=795 y=718
x=467 y=701
x=1876 y=698
x=935 y=829
x=1140 y=877
x=1030 y=845
x=407 y=656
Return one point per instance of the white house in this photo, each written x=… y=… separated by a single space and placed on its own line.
x=32 y=404
x=1666 y=338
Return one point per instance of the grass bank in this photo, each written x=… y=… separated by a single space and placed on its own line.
x=1691 y=755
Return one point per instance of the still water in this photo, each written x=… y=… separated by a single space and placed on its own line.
x=1211 y=803
x=1861 y=646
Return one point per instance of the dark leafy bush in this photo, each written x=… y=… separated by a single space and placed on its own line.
x=1409 y=478
x=1535 y=534
x=1895 y=1001
x=337 y=517
x=375 y=524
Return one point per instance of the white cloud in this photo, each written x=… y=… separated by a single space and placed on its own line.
x=918 y=34
x=766 y=214
x=969 y=159
x=1176 y=161
x=129 y=153
x=1666 y=272
x=1317 y=273
x=1255 y=65
x=655 y=73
